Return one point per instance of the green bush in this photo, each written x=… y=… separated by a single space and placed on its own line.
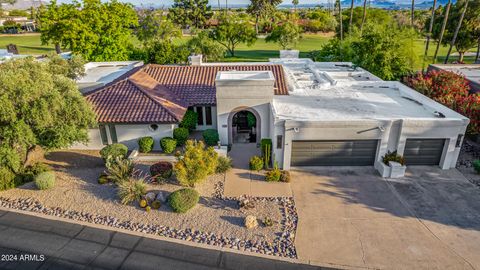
x=195 y=163
x=29 y=173
x=45 y=180
x=145 y=144
x=256 y=163
x=161 y=170
x=224 y=164
x=273 y=175
x=181 y=135
x=119 y=170
x=131 y=190
x=476 y=165
x=393 y=156
x=285 y=177
x=168 y=144
x=113 y=151
x=7 y=179
x=266 y=146
x=103 y=179
x=210 y=136
x=156 y=204
x=189 y=120
x=183 y=200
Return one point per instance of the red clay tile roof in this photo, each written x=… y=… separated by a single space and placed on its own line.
x=162 y=94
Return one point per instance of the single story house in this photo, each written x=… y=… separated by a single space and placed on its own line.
x=470 y=71
x=316 y=113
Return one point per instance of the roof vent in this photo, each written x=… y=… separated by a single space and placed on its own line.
x=195 y=60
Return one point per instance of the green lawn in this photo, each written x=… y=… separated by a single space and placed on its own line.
x=260 y=51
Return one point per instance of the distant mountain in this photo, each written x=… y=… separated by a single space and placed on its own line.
x=23 y=4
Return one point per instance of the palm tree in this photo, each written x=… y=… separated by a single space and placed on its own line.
x=413 y=12
x=364 y=15
x=340 y=18
x=429 y=34
x=351 y=17
x=444 y=24
x=459 y=25
x=477 y=57
x=295 y=4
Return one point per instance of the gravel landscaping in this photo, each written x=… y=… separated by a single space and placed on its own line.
x=215 y=220
x=470 y=152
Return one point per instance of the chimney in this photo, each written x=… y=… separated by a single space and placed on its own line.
x=195 y=59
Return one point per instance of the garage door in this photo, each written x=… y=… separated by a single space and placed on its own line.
x=423 y=151
x=334 y=153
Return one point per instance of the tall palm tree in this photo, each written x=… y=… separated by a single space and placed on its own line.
x=351 y=17
x=364 y=15
x=477 y=57
x=340 y=18
x=459 y=25
x=442 y=32
x=429 y=34
x=413 y=12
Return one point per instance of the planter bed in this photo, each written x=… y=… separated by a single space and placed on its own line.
x=215 y=220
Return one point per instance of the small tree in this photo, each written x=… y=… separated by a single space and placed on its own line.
x=154 y=27
x=233 y=31
x=286 y=35
x=204 y=45
x=195 y=163
x=190 y=13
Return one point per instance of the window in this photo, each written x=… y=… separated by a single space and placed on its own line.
x=153 y=127
x=279 y=141
x=200 y=115
x=113 y=133
x=208 y=116
x=103 y=134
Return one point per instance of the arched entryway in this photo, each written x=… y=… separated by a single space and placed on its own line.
x=244 y=126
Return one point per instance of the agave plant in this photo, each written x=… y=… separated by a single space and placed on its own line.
x=132 y=189
x=119 y=170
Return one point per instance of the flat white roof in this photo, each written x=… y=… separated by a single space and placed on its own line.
x=100 y=73
x=339 y=91
x=245 y=75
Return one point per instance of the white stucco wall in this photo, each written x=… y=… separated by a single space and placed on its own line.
x=394 y=136
x=128 y=135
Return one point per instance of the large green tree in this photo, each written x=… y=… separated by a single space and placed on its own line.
x=287 y=35
x=191 y=13
x=261 y=9
x=153 y=26
x=97 y=31
x=202 y=44
x=41 y=106
x=468 y=34
x=232 y=31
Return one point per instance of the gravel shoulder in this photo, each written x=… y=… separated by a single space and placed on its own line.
x=77 y=189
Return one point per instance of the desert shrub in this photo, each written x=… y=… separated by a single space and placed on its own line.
x=266 y=146
x=131 y=190
x=273 y=175
x=210 y=136
x=393 y=156
x=189 y=120
x=7 y=179
x=145 y=144
x=181 y=135
x=476 y=165
x=256 y=163
x=119 y=170
x=161 y=170
x=29 y=173
x=224 y=164
x=183 y=200
x=470 y=107
x=103 y=179
x=168 y=144
x=142 y=203
x=285 y=176
x=113 y=151
x=45 y=180
x=156 y=204
x=195 y=163
x=148 y=208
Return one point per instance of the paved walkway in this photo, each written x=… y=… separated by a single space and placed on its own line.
x=53 y=244
x=241 y=181
x=429 y=219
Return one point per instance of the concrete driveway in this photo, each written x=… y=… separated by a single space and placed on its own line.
x=350 y=217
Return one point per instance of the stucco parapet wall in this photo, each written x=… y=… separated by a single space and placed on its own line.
x=335 y=124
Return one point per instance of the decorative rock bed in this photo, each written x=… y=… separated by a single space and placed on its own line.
x=469 y=152
x=283 y=246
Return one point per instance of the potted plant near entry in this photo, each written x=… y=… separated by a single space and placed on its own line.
x=392 y=165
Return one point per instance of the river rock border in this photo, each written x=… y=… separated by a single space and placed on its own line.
x=282 y=246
